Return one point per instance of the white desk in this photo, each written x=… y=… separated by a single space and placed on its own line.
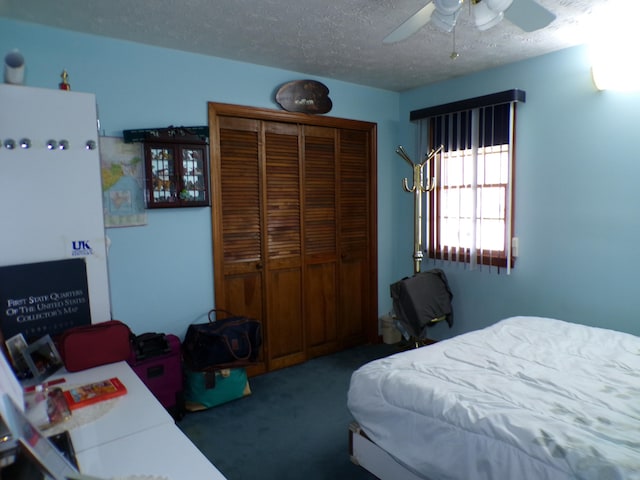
x=135 y=436
x=162 y=451
x=137 y=410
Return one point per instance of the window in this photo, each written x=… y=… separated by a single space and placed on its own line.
x=470 y=211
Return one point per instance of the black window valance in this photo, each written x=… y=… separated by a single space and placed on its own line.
x=492 y=99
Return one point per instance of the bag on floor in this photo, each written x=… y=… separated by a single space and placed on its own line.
x=230 y=342
x=211 y=387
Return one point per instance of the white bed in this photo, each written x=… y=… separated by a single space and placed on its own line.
x=527 y=398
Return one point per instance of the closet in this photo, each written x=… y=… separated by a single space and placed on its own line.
x=294 y=228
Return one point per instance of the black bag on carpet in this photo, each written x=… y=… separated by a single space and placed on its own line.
x=228 y=342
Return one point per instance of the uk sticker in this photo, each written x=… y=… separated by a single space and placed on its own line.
x=80 y=248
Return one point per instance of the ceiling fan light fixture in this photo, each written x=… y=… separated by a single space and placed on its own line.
x=498 y=5
x=445 y=23
x=484 y=17
x=447 y=7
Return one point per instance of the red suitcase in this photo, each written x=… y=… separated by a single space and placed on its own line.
x=162 y=374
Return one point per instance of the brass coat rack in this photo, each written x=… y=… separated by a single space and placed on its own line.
x=418 y=188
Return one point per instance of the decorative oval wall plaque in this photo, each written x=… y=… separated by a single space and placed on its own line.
x=306 y=96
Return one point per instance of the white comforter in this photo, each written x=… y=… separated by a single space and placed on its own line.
x=527 y=398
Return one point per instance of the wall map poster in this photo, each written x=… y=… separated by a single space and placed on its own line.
x=121 y=165
x=43 y=298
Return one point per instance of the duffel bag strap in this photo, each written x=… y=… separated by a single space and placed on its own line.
x=233 y=346
x=209 y=378
x=214 y=312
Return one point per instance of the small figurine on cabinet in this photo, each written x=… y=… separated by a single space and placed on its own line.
x=64 y=85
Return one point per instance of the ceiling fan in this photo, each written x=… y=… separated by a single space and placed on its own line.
x=528 y=15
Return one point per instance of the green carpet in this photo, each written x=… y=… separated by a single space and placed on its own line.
x=293 y=426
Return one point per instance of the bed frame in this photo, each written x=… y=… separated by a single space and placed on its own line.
x=368 y=455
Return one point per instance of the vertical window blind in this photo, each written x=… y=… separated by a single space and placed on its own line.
x=470 y=212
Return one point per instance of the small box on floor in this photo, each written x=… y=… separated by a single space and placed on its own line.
x=206 y=389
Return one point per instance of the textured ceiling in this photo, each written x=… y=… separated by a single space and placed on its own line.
x=340 y=39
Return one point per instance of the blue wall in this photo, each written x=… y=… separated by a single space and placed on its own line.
x=161 y=274
x=577 y=201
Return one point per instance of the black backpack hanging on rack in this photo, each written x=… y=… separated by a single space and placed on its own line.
x=226 y=343
x=421 y=301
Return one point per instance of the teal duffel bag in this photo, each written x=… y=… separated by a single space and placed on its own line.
x=206 y=389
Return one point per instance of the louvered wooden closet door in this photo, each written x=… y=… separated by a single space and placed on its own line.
x=320 y=239
x=354 y=242
x=283 y=266
x=238 y=219
x=294 y=228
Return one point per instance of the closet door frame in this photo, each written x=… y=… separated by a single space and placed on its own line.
x=216 y=110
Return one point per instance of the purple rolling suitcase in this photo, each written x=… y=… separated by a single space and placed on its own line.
x=161 y=371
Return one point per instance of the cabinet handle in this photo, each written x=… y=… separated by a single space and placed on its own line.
x=259 y=266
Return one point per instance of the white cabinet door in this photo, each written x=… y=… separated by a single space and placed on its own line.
x=51 y=198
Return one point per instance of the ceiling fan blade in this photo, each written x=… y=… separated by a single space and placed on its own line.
x=411 y=25
x=528 y=15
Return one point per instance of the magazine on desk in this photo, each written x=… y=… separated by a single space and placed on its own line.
x=91 y=393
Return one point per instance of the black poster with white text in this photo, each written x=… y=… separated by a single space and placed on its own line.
x=43 y=298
